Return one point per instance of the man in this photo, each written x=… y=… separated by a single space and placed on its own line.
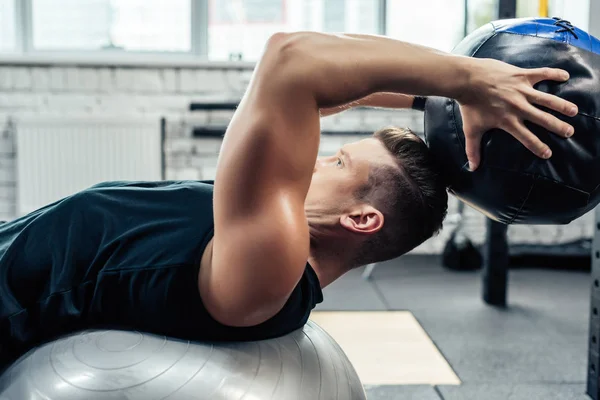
x=247 y=258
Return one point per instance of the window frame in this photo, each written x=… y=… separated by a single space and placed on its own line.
x=25 y=54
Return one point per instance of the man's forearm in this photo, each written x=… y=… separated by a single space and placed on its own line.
x=344 y=68
x=375 y=100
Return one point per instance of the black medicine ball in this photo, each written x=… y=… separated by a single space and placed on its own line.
x=512 y=185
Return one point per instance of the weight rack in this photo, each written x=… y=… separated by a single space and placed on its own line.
x=594 y=335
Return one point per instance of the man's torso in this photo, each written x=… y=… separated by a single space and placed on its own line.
x=124 y=255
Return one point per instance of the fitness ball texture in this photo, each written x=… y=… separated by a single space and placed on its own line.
x=511 y=184
x=97 y=365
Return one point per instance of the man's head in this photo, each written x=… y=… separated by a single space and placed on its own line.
x=382 y=195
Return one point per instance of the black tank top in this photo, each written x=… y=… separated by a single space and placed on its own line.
x=121 y=255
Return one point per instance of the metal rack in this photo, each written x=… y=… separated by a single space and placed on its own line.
x=593 y=386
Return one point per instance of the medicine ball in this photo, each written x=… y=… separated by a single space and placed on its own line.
x=512 y=185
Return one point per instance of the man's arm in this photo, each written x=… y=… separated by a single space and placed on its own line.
x=375 y=100
x=261 y=241
x=491 y=94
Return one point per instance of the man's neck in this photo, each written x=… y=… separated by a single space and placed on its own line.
x=328 y=268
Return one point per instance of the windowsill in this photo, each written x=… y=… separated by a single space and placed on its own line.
x=118 y=59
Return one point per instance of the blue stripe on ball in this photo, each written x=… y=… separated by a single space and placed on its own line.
x=550 y=28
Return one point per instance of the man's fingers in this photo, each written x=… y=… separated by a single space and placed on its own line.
x=552 y=102
x=547 y=74
x=473 y=148
x=529 y=140
x=550 y=122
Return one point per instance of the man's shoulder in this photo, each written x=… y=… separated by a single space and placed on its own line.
x=151 y=184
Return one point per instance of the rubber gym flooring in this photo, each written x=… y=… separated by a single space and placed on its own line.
x=462 y=349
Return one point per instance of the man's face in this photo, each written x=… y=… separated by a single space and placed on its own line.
x=337 y=178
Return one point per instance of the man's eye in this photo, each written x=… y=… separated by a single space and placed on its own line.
x=339 y=162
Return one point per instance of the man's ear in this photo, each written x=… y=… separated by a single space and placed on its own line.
x=364 y=219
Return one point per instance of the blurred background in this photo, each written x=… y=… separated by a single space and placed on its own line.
x=101 y=90
x=95 y=90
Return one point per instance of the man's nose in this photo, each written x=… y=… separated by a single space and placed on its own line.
x=317 y=165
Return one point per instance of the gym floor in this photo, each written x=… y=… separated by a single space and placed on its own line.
x=419 y=331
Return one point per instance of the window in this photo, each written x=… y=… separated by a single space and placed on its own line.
x=239 y=29
x=135 y=25
x=527 y=8
x=480 y=12
x=575 y=11
x=434 y=23
x=8 y=31
x=229 y=30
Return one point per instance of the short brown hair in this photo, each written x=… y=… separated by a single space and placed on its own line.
x=411 y=195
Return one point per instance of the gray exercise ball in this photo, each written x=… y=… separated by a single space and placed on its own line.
x=94 y=365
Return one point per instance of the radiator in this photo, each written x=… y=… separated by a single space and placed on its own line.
x=57 y=157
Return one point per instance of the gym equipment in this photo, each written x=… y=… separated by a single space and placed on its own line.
x=593 y=378
x=512 y=185
x=97 y=365
x=460 y=253
x=495 y=269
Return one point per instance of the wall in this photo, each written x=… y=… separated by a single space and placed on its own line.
x=575 y=11
x=29 y=91
x=594 y=18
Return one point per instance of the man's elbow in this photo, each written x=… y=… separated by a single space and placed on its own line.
x=248 y=314
x=287 y=43
x=286 y=53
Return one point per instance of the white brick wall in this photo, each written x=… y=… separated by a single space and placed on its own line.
x=82 y=80
x=17 y=101
x=7 y=170
x=20 y=78
x=6 y=81
x=58 y=90
x=58 y=78
x=40 y=79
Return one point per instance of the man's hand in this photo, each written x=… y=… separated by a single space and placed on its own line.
x=502 y=96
